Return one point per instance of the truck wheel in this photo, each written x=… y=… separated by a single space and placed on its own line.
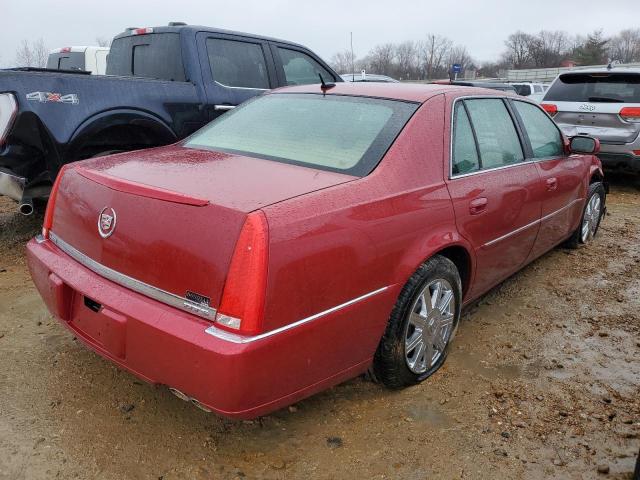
x=422 y=323
x=591 y=217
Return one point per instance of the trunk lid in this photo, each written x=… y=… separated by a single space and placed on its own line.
x=177 y=212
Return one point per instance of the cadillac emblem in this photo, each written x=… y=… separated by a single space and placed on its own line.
x=106 y=222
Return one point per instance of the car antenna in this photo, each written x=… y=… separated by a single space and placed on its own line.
x=325 y=86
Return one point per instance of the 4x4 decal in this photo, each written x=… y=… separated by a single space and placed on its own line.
x=45 y=97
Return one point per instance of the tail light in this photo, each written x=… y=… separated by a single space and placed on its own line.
x=51 y=204
x=142 y=31
x=636 y=152
x=65 y=50
x=8 y=110
x=243 y=297
x=550 y=108
x=630 y=114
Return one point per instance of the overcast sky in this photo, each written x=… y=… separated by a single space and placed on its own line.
x=322 y=25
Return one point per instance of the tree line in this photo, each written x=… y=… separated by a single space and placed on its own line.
x=432 y=57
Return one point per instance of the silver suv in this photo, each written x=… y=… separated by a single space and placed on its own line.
x=603 y=103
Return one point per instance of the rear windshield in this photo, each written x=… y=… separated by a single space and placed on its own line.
x=66 y=61
x=596 y=87
x=156 y=55
x=524 y=90
x=336 y=133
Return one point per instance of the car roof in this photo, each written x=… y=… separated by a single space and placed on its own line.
x=199 y=28
x=408 y=92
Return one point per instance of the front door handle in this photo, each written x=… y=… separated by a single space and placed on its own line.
x=477 y=205
x=552 y=183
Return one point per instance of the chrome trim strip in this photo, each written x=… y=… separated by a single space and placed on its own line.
x=236 y=338
x=241 y=88
x=131 y=283
x=535 y=222
x=223 y=108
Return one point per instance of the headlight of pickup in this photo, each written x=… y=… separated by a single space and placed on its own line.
x=8 y=110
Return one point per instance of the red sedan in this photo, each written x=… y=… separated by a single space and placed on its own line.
x=309 y=235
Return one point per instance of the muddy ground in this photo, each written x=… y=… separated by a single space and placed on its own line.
x=543 y=381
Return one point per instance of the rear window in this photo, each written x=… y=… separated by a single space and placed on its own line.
x=596 y=87
x=66 y=61
x=156 y=55
x=336 y=133
x=524 y=90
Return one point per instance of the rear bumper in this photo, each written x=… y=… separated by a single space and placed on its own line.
x=164 y=345
x=619 y=161
x=12 y=186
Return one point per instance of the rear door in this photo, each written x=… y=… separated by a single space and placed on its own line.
x=562 y=176
x=495 y=192
x=590 y=104
x=234 y=69
x=296 y=66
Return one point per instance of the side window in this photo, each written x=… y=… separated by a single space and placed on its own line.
x=496 y=134
x=237 y=64
x=465 y=155
x=537 y=88
x=301 y=69
x=545 y=138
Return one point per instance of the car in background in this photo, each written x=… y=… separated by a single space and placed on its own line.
x=503 y=87
x=87 y=59
x=161 y=85
x=535 y=91
x=367 y=77
x=309 y=235
x=603 y=103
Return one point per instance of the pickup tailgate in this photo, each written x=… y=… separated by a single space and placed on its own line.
x=178 y=211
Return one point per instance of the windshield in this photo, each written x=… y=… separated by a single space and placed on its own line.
x=329 y=132
x=66 y=61
x=596 y=87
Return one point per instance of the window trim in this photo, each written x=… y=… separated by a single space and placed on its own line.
x=224 y=85
x=295 y=48
x=504 y=99
x=525 y=134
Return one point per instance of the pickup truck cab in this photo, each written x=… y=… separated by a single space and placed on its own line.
x=162 y=84
x=88 y=59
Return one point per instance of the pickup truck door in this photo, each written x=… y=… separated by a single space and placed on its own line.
x=234 y=69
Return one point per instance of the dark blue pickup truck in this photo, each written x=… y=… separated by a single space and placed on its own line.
x=162 y=84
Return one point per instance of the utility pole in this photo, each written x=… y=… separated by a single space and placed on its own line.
x=353 y=63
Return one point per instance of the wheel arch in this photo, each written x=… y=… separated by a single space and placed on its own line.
x=448 y=244
x=118 y=128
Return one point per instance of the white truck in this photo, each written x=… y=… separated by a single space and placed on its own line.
x=89 y=59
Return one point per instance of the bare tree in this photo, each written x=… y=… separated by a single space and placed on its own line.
x=343 y=62
x=549 y=48
x=406 y=60
x=518 y=52
x=381 y=59
x=34 y=54
x=460 y=55
x=625 y=46
x=103 y=42
x=434 y=50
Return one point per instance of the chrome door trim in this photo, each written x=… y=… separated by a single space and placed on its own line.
x=145 y=289
x=237 y=338
x=532 y=224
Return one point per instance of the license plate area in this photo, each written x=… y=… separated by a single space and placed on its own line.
x=100 y=325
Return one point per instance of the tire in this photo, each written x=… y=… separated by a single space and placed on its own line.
x=589 y=222
x=396 y=363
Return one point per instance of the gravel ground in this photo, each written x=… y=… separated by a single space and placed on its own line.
x=543 y=381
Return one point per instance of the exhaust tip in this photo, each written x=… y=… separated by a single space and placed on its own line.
x=26 y=207
x=187 y=398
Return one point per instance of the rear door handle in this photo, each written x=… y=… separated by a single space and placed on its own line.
x=552 y=183
x=223 y=108
x=477 y=206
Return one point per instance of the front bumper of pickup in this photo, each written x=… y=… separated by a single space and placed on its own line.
x=12 y=186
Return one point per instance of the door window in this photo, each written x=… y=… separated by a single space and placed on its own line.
x=465 y=155
x=496 y=134
x=237 y=64
x=545 y=138
x=301 y=69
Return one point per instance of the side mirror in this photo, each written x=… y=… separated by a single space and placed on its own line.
x=584 y=144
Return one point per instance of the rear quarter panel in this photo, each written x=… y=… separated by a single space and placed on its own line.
x=337 y=244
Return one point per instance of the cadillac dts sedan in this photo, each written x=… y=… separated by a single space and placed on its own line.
x=308 y=236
